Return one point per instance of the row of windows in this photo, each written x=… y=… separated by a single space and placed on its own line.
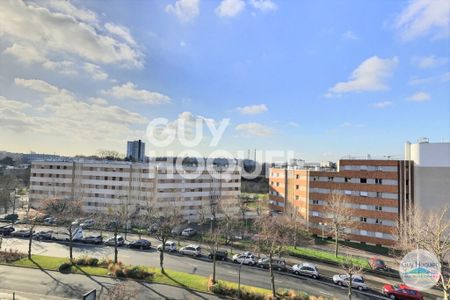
x=368 y=168
x=383 y=195
x=361 y=206
x=51 y=175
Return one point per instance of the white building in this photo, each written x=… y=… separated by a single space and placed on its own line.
x=431 y=173
x=103 y=184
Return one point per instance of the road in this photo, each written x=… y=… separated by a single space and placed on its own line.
x=225 y=270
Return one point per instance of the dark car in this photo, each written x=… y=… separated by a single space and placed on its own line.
x=93 y=239
x=401 y=292
x=377 y=264
x=11 y=217
x=6 y=230
x=277 y=264
x=140 y=244
x=43 y=235
x=22 y=233
x=220 y=255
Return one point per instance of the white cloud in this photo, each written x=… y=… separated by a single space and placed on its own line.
x=419 y=97
x=98 y=101
x=430 y=61
x=64 y=67
x=350 y=35
x=37 y=85
x=294 y=124
x=69 y=9
x=129 y=90
x=368 y=76
x=424 y=17
x=25 y=54
x=382 y=104
x=49 y=31
x=95 y=71
x=254 y=129
x=252 y=109
x=12 y=104
x=230 y=8
x=264 y=5
x=184 y=10
x=120 y=31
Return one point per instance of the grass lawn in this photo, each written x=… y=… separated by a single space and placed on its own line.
x=190 y=281
x=324 y=255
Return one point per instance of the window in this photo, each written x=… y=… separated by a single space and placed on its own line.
x=58 y=167
x=348 y=192
x=106 y=177
x=297 y=187
x=315 y=201
x=65 y=167
x=379 y=195
x=378 y=181
x=105 y=187
x=363 y=232
x=363 y=194
x=315 y=214
x=347 y=179
x=51 y=167
x=330 y=178
x=363 y=180
x=297 y=197
x=378 y=234
x=378 y=221
x=363 y=219
x=377 y=207
x=297 y=176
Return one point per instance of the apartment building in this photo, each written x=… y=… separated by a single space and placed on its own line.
x=104 y=184
x=431 y=173
x=377 y=191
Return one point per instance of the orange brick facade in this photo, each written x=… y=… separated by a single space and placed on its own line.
x=375 y=190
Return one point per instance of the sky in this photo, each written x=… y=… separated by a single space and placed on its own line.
x=318 y=79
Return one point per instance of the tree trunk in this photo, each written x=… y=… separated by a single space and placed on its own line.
x=336 y=245
x=115 y=247
x=70 y=243
x=350 y=287
x=161 y=256
x=214 y=263
x=445 y=288
x=30 y=241
x=272 y=277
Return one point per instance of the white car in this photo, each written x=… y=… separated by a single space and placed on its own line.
x=357 y=281
x=193 y=250
x=170 y=246
x=246 y=258
x=188 y=232
x=306 y=269
x=87 y=223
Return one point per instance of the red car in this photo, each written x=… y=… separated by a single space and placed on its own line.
x=401 y=292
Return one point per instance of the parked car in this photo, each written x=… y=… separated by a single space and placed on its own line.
x=170 y=246
x=111 y=242
x=357 y=281
x=306 y=269
x=93 y=239
x=22 y=233
x=140 y=244
x=88 y=223
x=11 y=217
x=277 y=264
x=193 y=250
x=43 y=235
x=176 y=231
x=6 y=230
x=401 y=292
x=153 y=228
x=246 y=258
x=220 y=255
x=377 y=264
x=50 y=220
x=189 y=232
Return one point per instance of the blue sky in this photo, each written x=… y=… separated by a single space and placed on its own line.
x=323 y=79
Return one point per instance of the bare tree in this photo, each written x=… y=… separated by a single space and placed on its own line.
x=229 y=219
x=66 y=211
x=339 y=217
x=429 y=231
x=274 y=233
x=164 y=220
x=351 y=269
x=211 y=240
x=8 y=184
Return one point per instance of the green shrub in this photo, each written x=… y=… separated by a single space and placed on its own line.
x=137 y=273
x=119 y=273
x=65 y=268
x=81 y=261
x=92 y=261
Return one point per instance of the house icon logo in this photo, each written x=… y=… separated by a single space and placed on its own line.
x=420 y=269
